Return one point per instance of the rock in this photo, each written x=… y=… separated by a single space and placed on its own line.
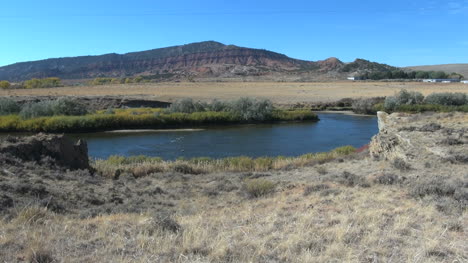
x=423 y=136
x=382 y=119
x=58 y=148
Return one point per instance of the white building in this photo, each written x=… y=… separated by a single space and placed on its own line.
x=465 y=81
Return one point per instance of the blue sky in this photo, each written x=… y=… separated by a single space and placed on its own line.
x=400 y=33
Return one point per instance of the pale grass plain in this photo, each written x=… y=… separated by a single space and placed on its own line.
x=278 y=92
x=371 y=222
x=354 y=224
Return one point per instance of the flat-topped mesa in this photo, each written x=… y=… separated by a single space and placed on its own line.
x=42 y=148
x=421 y=138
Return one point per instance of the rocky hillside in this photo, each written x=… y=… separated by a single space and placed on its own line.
x=204 y=60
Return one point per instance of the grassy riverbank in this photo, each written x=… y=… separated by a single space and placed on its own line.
x=137 y=119
x=139 y=166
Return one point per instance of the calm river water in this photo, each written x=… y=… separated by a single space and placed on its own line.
x=287 y=139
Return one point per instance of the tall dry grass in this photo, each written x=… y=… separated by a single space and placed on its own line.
x=143 y=165
x=375 y=224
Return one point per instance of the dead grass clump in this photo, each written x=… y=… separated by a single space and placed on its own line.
x=451 y=141
x=144 y=170
x=185 y=169
x=32 y=215
x=167 y=223
x=259 y=187
x=436 y=185
x=449 y=195
x=351 y=180
x=401 y=165
x=41 y=256
x=321 y=170
x=387 y=179
x=315 y=188
x=431 y=127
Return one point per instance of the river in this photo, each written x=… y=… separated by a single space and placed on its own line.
x=254 y=140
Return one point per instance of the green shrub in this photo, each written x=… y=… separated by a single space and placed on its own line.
x=447 y=99
x=390 y=103
x=409 y=97
x=68 y=107
x=8 y=106
x=42 y=83
x=61 y=106
x=37 y=109
x=345 y=150
x=116 y=160
x=244 y=109
x=188 y=106
x=102 y=81
x=39 y=117
x=252 y=110
x=365 y=106
x=403 y=97
x=4 y=84
x=430 y=107
x=259 y=187
x=217 y=106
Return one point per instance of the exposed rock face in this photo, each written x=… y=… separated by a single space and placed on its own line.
x=43 y=147
x=428 y=136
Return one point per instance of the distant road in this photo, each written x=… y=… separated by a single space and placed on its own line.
x=278 y=92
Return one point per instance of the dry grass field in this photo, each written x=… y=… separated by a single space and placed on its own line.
x=278 y=92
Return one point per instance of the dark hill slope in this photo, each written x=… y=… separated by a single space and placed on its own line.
x=178 y=60
x=210 y=60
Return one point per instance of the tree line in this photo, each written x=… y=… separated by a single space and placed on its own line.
x=401 y=74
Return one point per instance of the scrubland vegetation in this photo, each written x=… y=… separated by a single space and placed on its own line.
x=4 y=84
x=339 y=206
x=412 y=101
x=65 y=115
x=356 y=210
x=105 y=81
x=417 y=75
x=33 y=84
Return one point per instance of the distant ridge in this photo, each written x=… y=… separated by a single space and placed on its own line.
x=209 y=60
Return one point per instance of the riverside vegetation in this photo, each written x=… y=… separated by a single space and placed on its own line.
x=342 y=206
x=140 y=166
x=412 y=101
x=65 y=115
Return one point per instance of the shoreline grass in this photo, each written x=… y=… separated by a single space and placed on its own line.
x=141 y=165
x=143 y=118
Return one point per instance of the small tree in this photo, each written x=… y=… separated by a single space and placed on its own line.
x=4 y=84
x=8 y=106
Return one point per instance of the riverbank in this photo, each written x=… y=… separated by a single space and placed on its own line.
x=139 y=166
x=141 y=118
x=405 y=202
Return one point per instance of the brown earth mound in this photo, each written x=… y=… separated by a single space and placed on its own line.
x=48 y=148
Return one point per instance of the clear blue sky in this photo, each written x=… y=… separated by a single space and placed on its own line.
x=397 y=32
